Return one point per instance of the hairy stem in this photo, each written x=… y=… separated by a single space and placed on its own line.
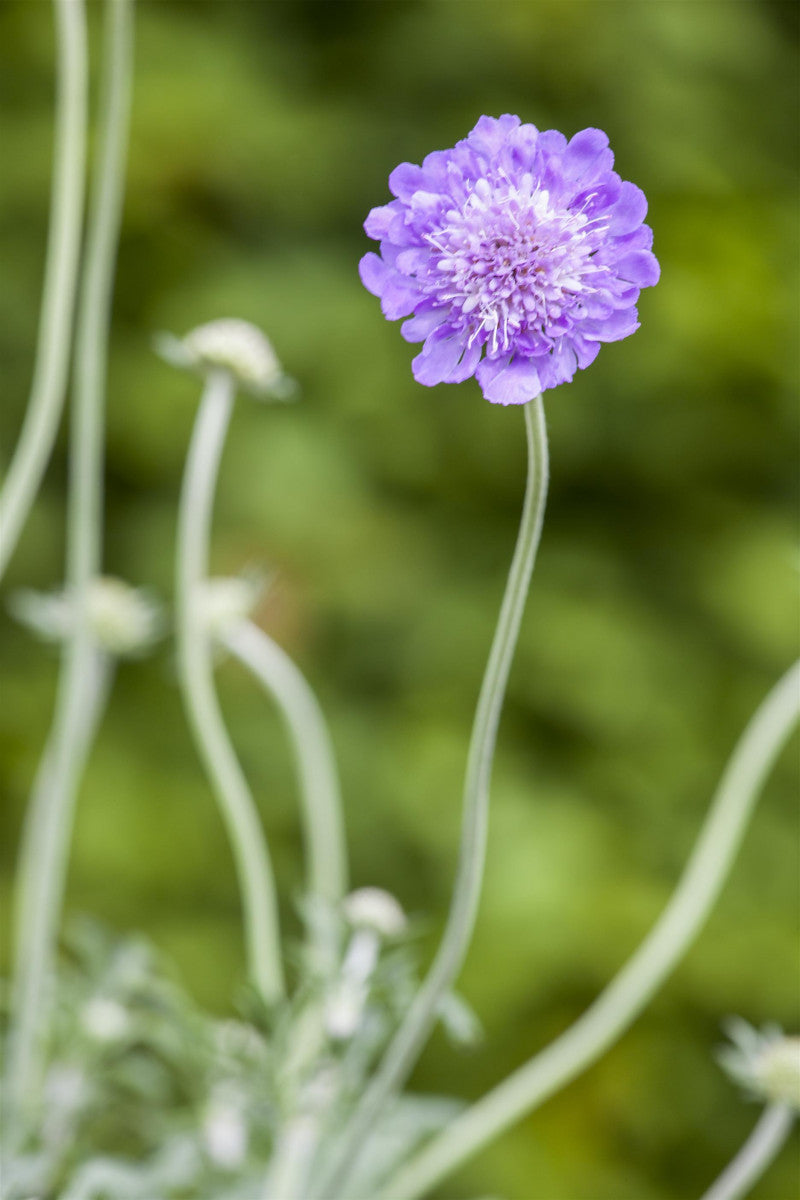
x=415 y=1030
x=45 y=850
x=316 y=766
x=759 y=1152
x=48 y=387
x=197 y=681
x=631 y=989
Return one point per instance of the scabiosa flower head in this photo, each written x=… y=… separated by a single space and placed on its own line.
x=517 y=252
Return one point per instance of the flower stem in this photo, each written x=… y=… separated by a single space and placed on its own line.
x=628 y=993
x=45 y=849
x=293 y=1158
x=415 y=1030
x=759 y=1151
x=48 y=387
x=197 y=680
x=322 y=805
x=40 y=882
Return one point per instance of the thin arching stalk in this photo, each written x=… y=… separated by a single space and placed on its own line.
x=45 y=849
x=49 y=384
x=416 y=1028
x=230 y=787
x=319 y=782
x=631 y=989
x=759 y=1152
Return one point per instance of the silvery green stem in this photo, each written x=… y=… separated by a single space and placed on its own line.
x=759 y=1152
x=42 y=870
x=321 y=799
x=630 y=990
x=344 y=1010
x=41 y=874
x=197 y=681
x=415 y=1030
x=294 y=1154
x=60 y=277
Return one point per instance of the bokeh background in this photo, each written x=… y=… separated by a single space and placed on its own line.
x=665 y=596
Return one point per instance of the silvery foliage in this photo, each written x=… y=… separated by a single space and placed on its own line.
x=148 y=1096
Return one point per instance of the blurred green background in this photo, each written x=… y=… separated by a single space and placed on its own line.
x=664 y=601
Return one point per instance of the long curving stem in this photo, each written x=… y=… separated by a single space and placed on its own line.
x=630 y=990
x=759 y=1152
x=45 y=847
x=49 y=383
x=197 y=681
x=316 y=766
x=415 y=1030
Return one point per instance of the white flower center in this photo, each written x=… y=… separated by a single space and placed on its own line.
x=509 y=263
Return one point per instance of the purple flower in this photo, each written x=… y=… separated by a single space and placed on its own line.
x=517 y=252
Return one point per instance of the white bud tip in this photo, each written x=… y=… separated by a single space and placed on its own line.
x=234 y=346
x=778 y=1071
x=105 y=1020
x=225 y=1131
x=372 y=908
x=124 y=620
x=225 y=601
x=766 y=1062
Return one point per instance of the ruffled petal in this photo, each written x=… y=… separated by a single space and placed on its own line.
x=562 y=365
x=373 y=271
x=586 y=352
x=424 y=321
x=406 y=179
x=400 y=296
x=629 y=211
x=639 y=267
x=439 y=358
x=551 y=142
x=586 y=156
x=639 y=239
x=598 y=197
x=465 y=367
x=621 y=323
x=506 y=382
x=385 y=222
x=490 y=133
x=414 y=259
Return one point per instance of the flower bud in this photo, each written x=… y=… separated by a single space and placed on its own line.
x=226 y=600
x=778 y=1071
x=766 y=1063
x=225 y=1130
x=233 y=346
x=105 y=1020
x=123 y=620
x=372 y=908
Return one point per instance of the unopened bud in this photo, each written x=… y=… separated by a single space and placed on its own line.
x=372 y=908
x=228 y=600
x=234 y=346
x=123 y=620
x=225 y=1130
x=105 y=1020
x=766 y=1063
